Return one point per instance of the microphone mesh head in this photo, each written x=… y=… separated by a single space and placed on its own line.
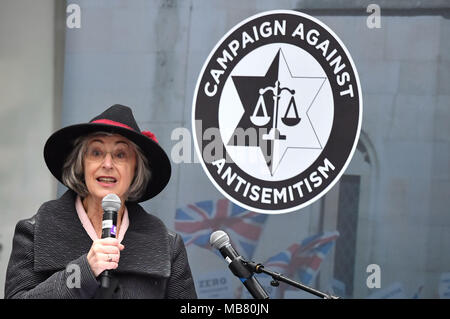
x=219 y=239
x=111 y=202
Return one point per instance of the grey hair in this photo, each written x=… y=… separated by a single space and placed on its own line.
x=73 y=169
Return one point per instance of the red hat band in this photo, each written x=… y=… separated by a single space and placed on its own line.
x=110 y=122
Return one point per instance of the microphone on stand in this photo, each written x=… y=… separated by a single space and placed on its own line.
x=220 y=240
x=111 y=204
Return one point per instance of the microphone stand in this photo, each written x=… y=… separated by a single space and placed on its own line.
x=259 y=268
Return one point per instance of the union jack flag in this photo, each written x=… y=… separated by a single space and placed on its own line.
x=303 y=259
x=196 y=222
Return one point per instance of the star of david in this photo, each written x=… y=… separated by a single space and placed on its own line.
x=277 y=105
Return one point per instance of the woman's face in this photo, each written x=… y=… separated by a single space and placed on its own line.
x=109 y=166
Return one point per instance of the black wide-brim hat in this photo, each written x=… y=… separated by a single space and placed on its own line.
x=118 y=119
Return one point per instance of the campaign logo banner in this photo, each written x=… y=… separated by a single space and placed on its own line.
x=277 y=112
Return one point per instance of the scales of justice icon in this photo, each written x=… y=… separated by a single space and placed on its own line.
x=264 y=119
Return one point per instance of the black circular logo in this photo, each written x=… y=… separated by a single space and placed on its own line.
x=277 y=112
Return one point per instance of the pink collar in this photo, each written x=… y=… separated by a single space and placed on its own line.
x=87 y=225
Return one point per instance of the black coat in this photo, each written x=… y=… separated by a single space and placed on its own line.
x=51 y=247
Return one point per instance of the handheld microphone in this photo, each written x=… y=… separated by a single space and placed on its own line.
x=111 y=205
x=220 y=240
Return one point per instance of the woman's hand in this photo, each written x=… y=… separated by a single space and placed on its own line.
x=104 y=254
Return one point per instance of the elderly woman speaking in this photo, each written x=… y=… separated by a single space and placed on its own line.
x=60 y=252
